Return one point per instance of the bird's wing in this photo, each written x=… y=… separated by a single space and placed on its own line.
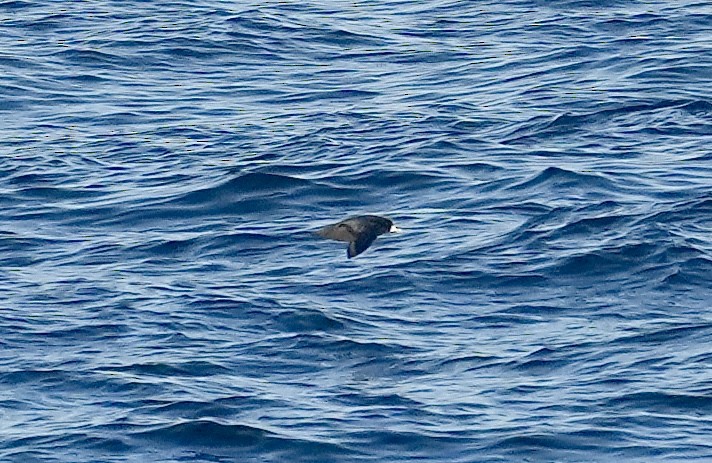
x=338 y=232
x=361 y=244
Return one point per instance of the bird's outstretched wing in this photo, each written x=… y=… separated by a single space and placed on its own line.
x=361 y=244
x=338 y=232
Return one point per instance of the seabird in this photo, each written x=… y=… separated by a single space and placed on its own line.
x=359 y=232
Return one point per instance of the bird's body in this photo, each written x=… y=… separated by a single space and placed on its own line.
x=360 y=232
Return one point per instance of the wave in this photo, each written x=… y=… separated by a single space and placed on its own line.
x=183 y=369
x=618 y=119
x=563 y=179
x=207 y=433
x=662 y=402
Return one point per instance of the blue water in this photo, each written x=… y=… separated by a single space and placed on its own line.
x=164 y=164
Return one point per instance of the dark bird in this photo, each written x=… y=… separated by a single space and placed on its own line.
x=360 y=232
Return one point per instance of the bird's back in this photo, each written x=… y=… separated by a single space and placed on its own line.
x=367 y=224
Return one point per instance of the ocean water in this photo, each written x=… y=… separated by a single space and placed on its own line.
x=163 y=166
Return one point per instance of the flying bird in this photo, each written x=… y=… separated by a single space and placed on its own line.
x=360 y=232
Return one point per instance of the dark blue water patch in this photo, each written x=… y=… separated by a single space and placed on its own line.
x=349 y=40
x=541 y=312
x=50 y=381
x=562 y=179
x=195 y=368
x=581 y=4
x=29 y=456
x=55 y=193
x=575 y=446
x=29 y=377
x=632 y=115
x=674 y=333
x=391 y=444
x=169 y=247
x=499 y=320
x=90 y=332
x=231 y=244
x=590 y=226
x=87 y=79
x=32 y=179
x=700 y=108
x=196 y=49
x=387 y=281
x=327 y=96
x=90 y=58
x=307 y=320
x=10 y=104
x=19 y=251
x=674 y=71
x=538 y=443
x=204 y=433
x=467 y=363
x=247 y=186
x=638 y=24
x=259 y=21
x=670 y=403
x=77 y=442
x=251 y=195
x=342 y=347
x=286 y=34
x=608 y=261
x=360 y=399
x=225 y=408
x=688 y=273
x=682 y=211
x=14 y=6
x=16 y=63
x=105 y=445
x=544 y=361
x=42 y=24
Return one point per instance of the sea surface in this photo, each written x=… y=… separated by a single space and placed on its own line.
x=164 y=164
